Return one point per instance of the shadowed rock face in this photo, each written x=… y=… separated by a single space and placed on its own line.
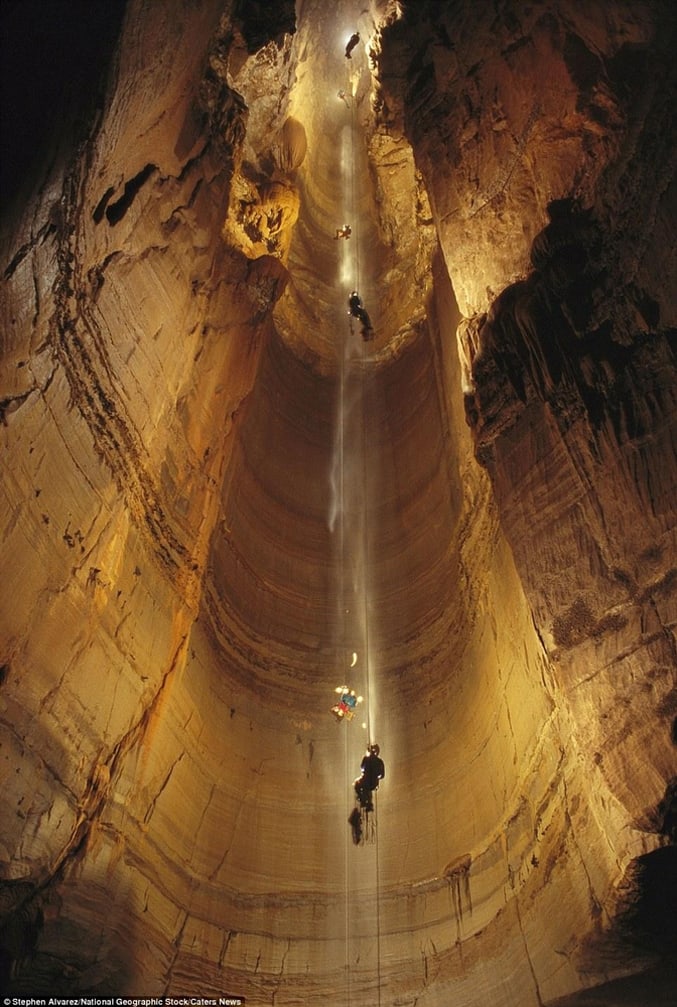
x=220 y=503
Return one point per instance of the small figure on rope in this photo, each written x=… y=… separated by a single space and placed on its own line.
x=343 y=232
x=352 y=42
x=347 y=704
x=355 y=822
x=342 y=95
x=373 y=771
x=357 y=310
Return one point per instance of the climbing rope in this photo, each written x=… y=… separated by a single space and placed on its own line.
x=346 y=868
x=354 y=208
x=343 y=638
x=370 y=818
x=372 y=826
x=365 y=540
x=363 y=445
x=369 y=691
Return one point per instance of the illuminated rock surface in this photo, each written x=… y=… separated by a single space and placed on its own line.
x=215 y=493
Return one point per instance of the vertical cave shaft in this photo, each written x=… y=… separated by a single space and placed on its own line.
x=215 y=493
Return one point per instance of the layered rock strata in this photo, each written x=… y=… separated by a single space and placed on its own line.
x=219 y=503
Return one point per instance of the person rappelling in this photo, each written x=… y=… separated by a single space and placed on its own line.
x=352 y=42
x=355 y=822
x=357 y=310
x=343 y=232
x=347 y=704
x=372 y=771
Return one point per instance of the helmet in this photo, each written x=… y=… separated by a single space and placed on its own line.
x=375 y=749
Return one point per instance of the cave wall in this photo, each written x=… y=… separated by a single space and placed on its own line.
x=119 y=399
x=568 y=374
x=584 y=337
x=174 y=789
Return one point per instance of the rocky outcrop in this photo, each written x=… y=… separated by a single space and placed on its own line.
x=597 y=402
x=568 y=372
x=219 y=504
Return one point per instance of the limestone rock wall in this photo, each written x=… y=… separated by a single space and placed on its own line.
x=130 y=341
x=214 y=494
x=512 y=106
x=585 y=336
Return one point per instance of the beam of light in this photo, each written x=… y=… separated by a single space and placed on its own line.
x=347 y=256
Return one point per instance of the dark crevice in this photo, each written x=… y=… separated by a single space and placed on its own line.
x=116 y=211
x=100 y=209
x=583 y=65
x=648 y=919
x=54 y=59
x=262 y=21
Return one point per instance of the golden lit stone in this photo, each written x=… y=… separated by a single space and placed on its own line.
x=219 y=502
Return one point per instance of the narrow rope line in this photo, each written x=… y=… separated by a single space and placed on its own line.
x=365 y=540
x=365 y=586
x=378 y=910
x=342 y=642
x=365 y=551
x=346 y=865
x=355 y=213
x=343 y=622
x=366 y=561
